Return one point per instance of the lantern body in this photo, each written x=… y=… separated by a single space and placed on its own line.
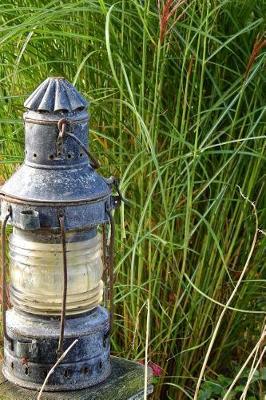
x=56 y=203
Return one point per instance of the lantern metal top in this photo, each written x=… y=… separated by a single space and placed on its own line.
x=55 y=94
x=58 y=169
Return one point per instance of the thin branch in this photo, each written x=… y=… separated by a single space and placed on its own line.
x=147 y=350
x=252 y=353
x=54 y=367
x=206 y=359
x=245 y=391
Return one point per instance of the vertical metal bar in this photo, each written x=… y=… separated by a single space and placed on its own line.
x=105 y=263
x=104 y=245
x=64 y=293
x=111 y=266
x=4 y=268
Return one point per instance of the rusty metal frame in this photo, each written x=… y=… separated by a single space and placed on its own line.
x=33 y=202
x=55 y=122
x=105 y=266
x=111 y=267
x=64 y=293
x=4 y=270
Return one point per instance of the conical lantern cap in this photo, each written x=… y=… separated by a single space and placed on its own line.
x=56 y=95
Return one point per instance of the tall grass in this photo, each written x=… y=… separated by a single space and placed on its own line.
x=177 y=92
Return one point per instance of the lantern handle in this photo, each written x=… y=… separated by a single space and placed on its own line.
x=4 y=267
x=114 y=182
x=94 y=163
x=62 y=123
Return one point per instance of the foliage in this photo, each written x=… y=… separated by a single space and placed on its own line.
x=216 y=389
x=177 y=92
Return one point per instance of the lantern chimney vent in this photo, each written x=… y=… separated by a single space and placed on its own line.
x=56 y=95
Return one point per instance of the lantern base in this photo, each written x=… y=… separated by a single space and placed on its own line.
x=34 y=350
x=126 y=382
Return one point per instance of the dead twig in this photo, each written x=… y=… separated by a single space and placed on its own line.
x=54 y=367
x=226 y=307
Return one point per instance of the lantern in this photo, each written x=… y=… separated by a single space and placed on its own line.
x=60 y=209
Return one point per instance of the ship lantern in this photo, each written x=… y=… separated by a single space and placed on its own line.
x=61 y=245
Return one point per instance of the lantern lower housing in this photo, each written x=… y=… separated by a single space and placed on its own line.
x=59 y=206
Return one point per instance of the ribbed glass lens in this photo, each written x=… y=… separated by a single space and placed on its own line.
x=37 y=275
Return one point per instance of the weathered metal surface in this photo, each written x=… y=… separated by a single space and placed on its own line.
x=29 y=220
x=126 y=382
x=35 y=350
x=55 y=94
x=56 y=185
x=32 y=326
x=56 y=170
x=78 y=216
x=55 y=197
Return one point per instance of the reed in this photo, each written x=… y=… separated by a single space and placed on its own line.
x=177 y=93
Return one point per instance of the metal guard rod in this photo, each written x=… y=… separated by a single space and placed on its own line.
x=111 y=266
x=4 y=268
x=105 y=270
x=64 y=293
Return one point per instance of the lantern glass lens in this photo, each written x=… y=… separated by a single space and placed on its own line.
x=37 y=275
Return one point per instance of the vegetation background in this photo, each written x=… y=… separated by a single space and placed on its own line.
x=177 y=91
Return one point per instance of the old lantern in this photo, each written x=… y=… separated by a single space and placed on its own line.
x=60 y=209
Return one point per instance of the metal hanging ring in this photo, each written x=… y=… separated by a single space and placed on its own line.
x=62 y=123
